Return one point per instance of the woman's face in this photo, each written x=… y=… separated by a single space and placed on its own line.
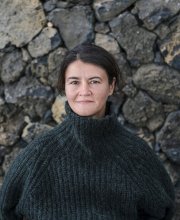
x=87 y=88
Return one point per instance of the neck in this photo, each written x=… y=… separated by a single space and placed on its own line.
x=93 y=134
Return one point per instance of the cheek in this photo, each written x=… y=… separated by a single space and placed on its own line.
x=69 y=93
x=103 y=93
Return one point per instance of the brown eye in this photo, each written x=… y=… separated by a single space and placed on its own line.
x=94 y=82
x=74 y=82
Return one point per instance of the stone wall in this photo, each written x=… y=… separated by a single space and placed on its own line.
x=144 y=37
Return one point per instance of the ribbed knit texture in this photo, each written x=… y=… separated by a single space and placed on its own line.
x=87 y=169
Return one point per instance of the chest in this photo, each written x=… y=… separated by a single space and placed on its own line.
x=85 y=188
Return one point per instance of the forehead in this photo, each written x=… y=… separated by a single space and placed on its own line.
x=81 y=68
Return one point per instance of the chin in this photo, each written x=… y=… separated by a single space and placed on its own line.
x=85 y=114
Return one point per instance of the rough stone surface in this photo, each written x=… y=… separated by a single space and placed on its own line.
x=70 y=3
x=169 y=137
x=105 y=10
x=107 y=42
x=20 y=21
x=161 y=82
x=54 y=61
x=58 y=110
x=136 y=41
x=162 y=30
x=49 y=5
x=8 y=110
x=143 y=111
x=74 y=31
x=25 y=55
x=125 y=69
x=170 y=48
x=33 y=97
x=12 y=67
x=12 y=125
x=102 y=28
x=8 y=139
x=129 y=89
x=155 y=11
x=39 y=67
x=46 y=41
x=32 y=130
x=27 y=88
x=2 y=154
x=168 y=108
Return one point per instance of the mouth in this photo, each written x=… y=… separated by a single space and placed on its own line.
x=84 y=101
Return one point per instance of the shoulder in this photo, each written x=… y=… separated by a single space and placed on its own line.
x=132 y=142
x=145 y=165
x=139 y=154
x=48 y=140
x=35 y=157
x=40 y=149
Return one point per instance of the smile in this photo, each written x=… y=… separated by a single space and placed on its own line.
x=84 y=101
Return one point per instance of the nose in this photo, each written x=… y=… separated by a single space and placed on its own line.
x=84 y=89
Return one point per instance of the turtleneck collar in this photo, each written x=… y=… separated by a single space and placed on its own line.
x=94 y=134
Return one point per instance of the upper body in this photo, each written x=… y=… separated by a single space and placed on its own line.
x=89 y=166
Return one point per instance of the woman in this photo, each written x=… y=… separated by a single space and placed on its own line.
x=89 y=166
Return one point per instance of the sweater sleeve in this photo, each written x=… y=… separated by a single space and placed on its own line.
x=157 y=200
x=14 y=184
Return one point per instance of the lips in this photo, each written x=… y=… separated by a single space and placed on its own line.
x=84 y=101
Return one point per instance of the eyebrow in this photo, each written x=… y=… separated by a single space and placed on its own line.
x=77 y=78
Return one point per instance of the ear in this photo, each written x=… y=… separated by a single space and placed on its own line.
x=112 y=86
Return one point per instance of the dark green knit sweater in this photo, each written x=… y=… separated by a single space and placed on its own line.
x=87 y=169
